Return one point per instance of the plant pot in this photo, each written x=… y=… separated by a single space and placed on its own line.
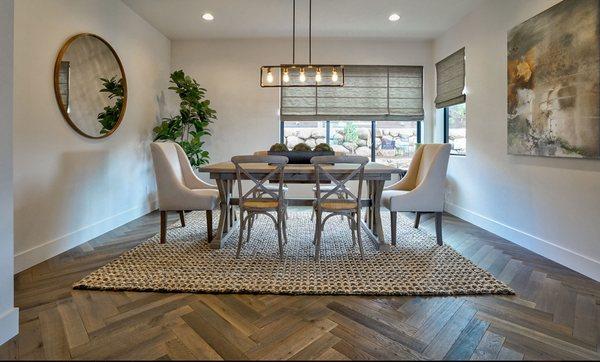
x=301 y=157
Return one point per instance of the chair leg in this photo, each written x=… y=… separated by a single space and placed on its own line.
x=250 y=224
x=318 y=238
x=360 y=245
x=438 y=228
x=209 y=225
x=351 y=225
x=342 y=196
x=163 y=227
x=279 y=235
x=241 y=236
x=394 y=219
x=417 y=220
x=316 y=232
x=284 y=224
x=312 y=216
x=182 y=218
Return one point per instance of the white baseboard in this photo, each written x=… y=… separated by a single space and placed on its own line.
x=28 y=258
x=557 y=253
x=9 y=324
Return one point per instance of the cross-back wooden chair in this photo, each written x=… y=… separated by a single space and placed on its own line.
x=260 y=199
x=327 y=187
x=330 y=202
x=272 y=186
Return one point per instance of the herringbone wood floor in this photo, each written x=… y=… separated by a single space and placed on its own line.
x=555 y=314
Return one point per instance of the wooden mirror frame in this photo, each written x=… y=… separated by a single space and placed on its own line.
x=61 y=106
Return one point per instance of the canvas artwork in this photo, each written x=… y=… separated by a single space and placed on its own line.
x=553 y=82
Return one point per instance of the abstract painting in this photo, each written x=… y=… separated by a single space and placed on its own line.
x=553 y=82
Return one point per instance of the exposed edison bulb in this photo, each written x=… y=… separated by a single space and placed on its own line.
x=269 y=75
x=302 y=75
x=334 y=75
x=286 y=76
x=318 y=75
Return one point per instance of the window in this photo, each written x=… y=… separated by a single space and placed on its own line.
x=451 y=96
x=376 y=113
x=455 y=128
x=310 y=132
x=394 y=143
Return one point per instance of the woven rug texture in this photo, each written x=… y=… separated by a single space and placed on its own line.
x=186 y=263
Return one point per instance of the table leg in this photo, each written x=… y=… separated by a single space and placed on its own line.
x=372 y=207
x=374 y=227
x=229 y=195
x=222 y=231
x=369 y=197
x=378 y=225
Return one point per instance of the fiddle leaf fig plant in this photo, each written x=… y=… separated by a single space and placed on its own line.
x=109 y=117
x=191 y=124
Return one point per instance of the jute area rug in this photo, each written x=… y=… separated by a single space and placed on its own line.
x=416 y=266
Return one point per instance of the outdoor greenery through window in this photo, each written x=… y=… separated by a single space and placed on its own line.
x=394 y=143
x=455 y=119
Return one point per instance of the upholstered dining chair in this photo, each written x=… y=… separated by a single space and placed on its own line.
x=349 y=205
x=259 y=199
x=179 y=189
x=422 y=189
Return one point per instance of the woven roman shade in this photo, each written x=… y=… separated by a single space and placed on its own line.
x=392 y=93
x=451 y=80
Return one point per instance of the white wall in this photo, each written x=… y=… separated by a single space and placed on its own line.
x=548 y=205
x=9 y=316
x=248 y=117
x=69 y=189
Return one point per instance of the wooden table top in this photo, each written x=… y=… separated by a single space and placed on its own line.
x=370 y=168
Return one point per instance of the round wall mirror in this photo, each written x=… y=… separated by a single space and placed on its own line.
x=90 y=86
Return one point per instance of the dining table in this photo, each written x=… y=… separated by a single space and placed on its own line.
x=375 y=176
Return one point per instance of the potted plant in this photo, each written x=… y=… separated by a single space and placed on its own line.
x=301 y=153
x=191 y=124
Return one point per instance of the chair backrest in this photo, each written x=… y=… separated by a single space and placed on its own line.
x=340 y=185
x=429 y=166
x=166 y=164
x=258 y=187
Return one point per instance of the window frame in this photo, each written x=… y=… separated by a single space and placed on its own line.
x=373 y=131
x=447 y=130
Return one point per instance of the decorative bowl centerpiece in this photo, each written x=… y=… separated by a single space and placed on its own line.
x=301 y=153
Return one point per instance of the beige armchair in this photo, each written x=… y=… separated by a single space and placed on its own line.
x=422 y=189
x=179 y=189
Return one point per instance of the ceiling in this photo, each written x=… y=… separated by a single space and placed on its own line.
x=419 y=19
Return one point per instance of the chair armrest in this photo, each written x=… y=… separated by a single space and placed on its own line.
x=401 y=185
x=194 y=182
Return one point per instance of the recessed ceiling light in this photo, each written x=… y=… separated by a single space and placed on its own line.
x=208 y=16
x=394 y=17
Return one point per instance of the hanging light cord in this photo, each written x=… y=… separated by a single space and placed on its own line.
x=294 y=33
x=309 y=31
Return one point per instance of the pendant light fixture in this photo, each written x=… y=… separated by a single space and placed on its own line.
x=302 y=75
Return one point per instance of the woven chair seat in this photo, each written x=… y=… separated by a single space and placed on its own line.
x=261 y=204
x=338 y=205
